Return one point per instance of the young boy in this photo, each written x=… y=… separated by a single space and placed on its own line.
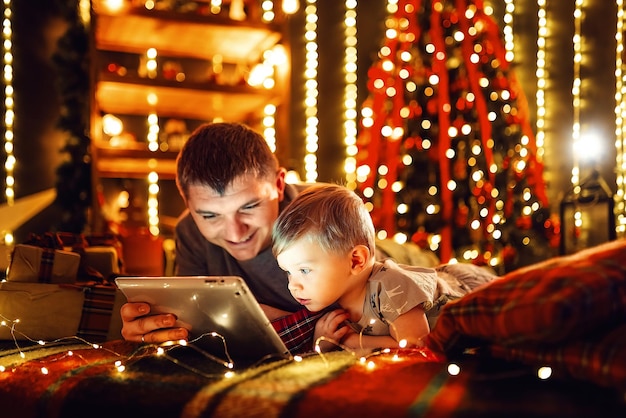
x=324 y=240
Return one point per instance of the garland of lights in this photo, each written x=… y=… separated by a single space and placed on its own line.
x=350 y=93
x=540 y=73
x=162 y=349
x=311 y=92
x=9 y=113
x=576 y=84
x=620 y=122
x=122 y=363
x=509 y=43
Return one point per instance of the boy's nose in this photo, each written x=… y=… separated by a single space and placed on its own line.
x=293 y=284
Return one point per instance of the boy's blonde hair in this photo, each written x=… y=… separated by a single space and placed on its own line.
x=328 y=215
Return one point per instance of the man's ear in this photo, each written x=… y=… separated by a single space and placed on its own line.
x=359 y=258
x=281 y=183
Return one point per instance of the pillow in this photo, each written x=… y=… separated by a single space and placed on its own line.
x=549 y=302
x=597 y=358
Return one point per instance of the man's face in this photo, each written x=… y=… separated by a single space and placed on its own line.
x=241 y=220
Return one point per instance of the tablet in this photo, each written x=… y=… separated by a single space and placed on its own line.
x=222 y=316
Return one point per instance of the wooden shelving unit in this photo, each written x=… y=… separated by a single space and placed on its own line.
x=193 y=41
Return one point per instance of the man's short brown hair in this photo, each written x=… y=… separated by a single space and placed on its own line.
x=217 y=153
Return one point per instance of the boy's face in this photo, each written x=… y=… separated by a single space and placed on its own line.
x=240 y=220
x=316 y=279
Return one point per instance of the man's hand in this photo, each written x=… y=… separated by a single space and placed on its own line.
x=139 y=326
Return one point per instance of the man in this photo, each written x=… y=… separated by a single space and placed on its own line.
x=234 y=189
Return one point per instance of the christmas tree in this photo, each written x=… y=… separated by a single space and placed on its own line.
x=447 y=156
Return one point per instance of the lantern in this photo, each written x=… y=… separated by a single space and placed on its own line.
x=587 y=215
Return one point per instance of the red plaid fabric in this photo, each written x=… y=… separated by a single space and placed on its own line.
x=48 y=243
x=550 y=302
x=600 y=359
x=47 y=261
x=97 y=311
x=296 y=330
x=567 y=312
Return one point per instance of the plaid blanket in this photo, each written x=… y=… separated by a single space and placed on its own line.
x=77 y=380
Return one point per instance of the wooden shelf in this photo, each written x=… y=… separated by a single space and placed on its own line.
x=184 y=34
x=190 y=40
x=202 y=101
x=135 y=167
x=134 y=161
x=139 y=150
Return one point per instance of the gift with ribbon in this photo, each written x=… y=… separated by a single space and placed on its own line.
x=42 y=259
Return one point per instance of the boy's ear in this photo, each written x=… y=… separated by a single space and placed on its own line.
x=359 y=257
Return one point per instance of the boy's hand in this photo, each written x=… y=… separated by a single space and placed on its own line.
x=331 y=326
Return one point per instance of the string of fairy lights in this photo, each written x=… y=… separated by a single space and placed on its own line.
x=311 y=91
x=576 y=86
x=540 y=73
x=620 y=121
x=9 y=112
x=507 y=30
x=350 y=93
x=121 y=363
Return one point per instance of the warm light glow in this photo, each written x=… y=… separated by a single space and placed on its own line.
x=454 y=369
x=113 y=6
x=620 y=123
x=290 y=6
x=150 y=66
x=153 y=176
x=541 y=76
x=268 y=10
x=112 y=125
x=508 y=30
x=9 y=113
x=84 y=12
x=269 y=126
x=577 y=45
x=311 y=92
x=258 y=74
x=544 y=372
x=350 y=93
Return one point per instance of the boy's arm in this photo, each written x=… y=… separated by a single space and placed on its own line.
x=411 y=327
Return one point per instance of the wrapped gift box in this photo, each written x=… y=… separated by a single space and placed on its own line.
x=41 y=311
x=104 y=259
x=33 y=264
